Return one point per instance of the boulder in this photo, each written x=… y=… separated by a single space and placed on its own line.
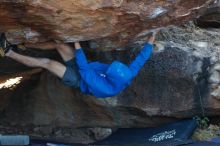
x=173 y=84
x=111 y=23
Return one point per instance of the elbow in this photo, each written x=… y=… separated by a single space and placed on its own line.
x=134 y=73
x=84 y=68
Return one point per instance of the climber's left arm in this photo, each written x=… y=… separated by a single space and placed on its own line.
x=143 y=56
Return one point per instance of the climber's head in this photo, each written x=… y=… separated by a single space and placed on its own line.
x=120 y=72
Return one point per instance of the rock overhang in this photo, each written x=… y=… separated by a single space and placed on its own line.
x=111 y=24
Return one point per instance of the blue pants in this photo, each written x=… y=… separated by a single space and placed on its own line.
x=71 y=76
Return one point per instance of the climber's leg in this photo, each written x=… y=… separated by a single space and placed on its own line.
x=53 y=66
x=71 y=76
x=43 y=46
x=65 y=51
x=68 y=74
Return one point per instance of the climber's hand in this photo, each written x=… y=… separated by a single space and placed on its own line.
x=152 y=37
x=77 y=45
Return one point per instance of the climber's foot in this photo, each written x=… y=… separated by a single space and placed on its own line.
x=21 y=47
x=4 y=45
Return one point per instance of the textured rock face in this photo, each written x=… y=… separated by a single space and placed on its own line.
x=179 y=81
x=111 y=23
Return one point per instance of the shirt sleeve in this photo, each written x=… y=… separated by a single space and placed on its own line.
x=140 y=60
x=81 y=59
x=86 y=72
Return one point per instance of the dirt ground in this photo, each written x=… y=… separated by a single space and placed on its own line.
x=206 y=134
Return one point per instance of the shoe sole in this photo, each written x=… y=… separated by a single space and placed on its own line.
x=2 y=53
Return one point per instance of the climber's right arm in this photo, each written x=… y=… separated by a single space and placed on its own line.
x=81 y=59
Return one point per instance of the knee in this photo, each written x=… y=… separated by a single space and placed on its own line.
x=46 y=63
x=59 y=46
x=64 y=47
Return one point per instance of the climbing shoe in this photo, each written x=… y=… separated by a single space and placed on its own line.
x=4 y=45
x=21 y=47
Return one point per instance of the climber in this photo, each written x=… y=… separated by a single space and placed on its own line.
x=98 y=79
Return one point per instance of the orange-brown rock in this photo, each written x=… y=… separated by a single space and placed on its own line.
x=112 y=23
